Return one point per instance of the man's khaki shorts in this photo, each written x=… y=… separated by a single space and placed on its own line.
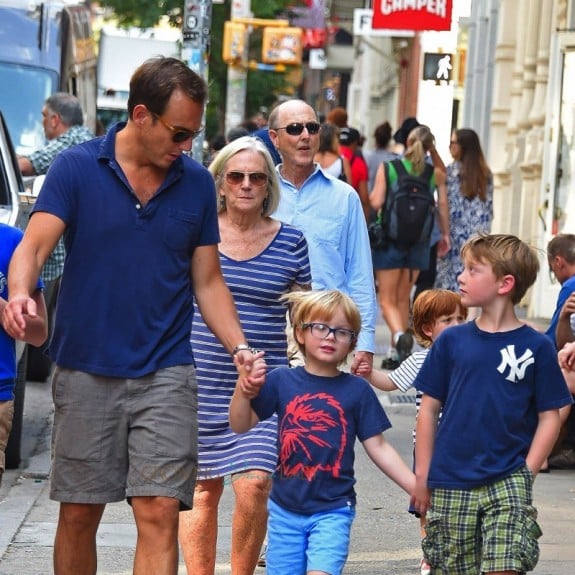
x=115 y=438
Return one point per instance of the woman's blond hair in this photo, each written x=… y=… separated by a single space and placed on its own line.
x=419 y=141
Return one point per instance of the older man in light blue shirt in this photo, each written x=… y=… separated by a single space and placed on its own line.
x=330 y=215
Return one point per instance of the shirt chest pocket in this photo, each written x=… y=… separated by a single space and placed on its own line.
x=181 y=230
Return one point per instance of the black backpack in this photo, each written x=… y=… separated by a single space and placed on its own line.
x=409 y=209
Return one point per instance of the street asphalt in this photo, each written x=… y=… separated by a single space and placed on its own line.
x=385 y=538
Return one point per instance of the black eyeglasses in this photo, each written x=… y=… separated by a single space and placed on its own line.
x=256 y=178
x=322 y=331
x=453 y=143
x=178 y=134
x=296 y=128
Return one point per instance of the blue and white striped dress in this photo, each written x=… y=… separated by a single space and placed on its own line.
x=256 y=285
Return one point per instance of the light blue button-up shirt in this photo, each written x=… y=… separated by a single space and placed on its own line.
x=329 y=213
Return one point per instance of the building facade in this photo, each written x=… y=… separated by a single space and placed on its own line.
x=520 y=97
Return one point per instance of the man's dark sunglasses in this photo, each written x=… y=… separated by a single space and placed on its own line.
x=296 y=128
x=178 y=134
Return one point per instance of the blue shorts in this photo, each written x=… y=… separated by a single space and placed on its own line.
x=301 y=543
x=394 y=257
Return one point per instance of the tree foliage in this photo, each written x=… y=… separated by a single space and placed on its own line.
x=262 y=87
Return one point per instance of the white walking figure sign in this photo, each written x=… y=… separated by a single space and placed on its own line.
x=443 y=67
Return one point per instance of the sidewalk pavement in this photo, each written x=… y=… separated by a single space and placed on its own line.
x=28 y=517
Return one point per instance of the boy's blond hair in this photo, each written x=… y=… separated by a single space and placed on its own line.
x=429 y=306
x=306 y=306
x=507 y=255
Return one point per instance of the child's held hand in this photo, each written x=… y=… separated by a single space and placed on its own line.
x=250 y=381
x=421 y=498
x=568 y=307
x=363 y=370
x=566 y=356
x=362 y=363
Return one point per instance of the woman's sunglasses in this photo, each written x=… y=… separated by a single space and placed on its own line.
x=178 y=134
x=255 y=178
x=296 y=128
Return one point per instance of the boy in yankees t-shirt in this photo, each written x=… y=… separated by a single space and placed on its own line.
x=498 y=386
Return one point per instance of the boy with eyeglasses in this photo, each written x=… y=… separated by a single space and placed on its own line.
x=329 y=213
x=321 y=411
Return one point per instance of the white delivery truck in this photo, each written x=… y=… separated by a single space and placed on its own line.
x=120 y=52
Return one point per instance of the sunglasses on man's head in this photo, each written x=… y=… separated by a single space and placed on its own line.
x=179 y=135
x=296 y=128
x=256 y=178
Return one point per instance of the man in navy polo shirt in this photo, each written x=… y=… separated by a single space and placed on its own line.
x=139 y=221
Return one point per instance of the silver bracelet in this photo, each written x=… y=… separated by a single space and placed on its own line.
x=243 y=347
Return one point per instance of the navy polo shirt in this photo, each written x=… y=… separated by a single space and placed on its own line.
x=125 y=303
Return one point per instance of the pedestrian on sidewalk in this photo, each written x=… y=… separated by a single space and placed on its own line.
x=262 y=259
x=141 y=235
x=498 y=386
x=329 y=214
x=397 y=264
x=561 y=260
x=321 y=411
x=328 y=155
x=433 y=312
x=34 y=332
x=62 y=119
x=470 y=200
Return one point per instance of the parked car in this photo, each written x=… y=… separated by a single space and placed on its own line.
x=11 y=191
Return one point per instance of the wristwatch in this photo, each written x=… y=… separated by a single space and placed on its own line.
x=243 y=347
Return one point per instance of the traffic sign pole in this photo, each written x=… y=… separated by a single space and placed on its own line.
x=196 y=49
x=237 y=75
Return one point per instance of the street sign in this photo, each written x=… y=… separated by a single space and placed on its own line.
x=362 y=25
x=420 y=15
x=317 y=59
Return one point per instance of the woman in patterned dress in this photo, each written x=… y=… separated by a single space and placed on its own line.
x=470 y=199
x=262 y=258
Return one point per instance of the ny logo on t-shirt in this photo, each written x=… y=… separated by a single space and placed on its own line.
x=517 y=365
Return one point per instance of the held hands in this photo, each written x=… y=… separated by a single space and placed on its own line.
x=15 y=314
x=566 y=357
x=568 y=308
x=421 y=497
x=250 y=377
x=362 y=363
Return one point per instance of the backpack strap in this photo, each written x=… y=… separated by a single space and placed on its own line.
x=389 y=191
x=399 y=168
x=428 y=172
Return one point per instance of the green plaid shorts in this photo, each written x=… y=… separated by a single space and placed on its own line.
x=483 y=530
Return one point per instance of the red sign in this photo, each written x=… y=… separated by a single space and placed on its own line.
x=418 y=15
x=314 y=38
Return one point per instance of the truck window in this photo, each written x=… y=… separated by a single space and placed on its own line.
x=24 y=90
